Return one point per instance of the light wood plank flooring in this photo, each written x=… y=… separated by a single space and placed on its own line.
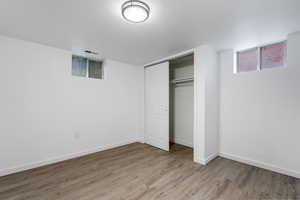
x=138 y=171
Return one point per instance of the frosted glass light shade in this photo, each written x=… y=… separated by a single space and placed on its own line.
x=135 y=11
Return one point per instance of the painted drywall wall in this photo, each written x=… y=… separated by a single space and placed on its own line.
x=260 y=113
x=48 y=115
x=182 y=103
x=206 y=98
x=212 y=114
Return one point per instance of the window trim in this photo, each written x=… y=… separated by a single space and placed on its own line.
x=259 y=57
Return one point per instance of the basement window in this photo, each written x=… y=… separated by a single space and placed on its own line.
x=79 y=66
x=95 y=69
x=84 y=67
x=247 y=60
x=273 y=55
x=263 y=57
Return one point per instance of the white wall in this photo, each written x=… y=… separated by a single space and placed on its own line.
x=212 y=114
x=206 y=98
x=182 y=104
x=47 y=115
x=260 y=113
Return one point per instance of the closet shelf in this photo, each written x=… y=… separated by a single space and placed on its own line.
x=183 y=80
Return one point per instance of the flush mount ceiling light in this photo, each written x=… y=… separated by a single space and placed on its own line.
x=135 y=11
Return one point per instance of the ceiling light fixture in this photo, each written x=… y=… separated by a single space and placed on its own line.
x=135 y=11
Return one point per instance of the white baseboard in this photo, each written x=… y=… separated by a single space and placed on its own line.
x=208 y=159
x=211 y=157
x=261 y=165
x=141 y=140
x=4 y=172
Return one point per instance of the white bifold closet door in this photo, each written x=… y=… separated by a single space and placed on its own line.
x=157 y=106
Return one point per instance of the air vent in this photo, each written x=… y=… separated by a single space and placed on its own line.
x=91 y=52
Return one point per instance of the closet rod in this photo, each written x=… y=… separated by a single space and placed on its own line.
x=184 y=80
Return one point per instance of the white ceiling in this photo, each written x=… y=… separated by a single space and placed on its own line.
x=174 y=25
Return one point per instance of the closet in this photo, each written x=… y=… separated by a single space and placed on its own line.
x=169 y=103
x=182 y=101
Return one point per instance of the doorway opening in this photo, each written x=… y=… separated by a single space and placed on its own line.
x=181 y=104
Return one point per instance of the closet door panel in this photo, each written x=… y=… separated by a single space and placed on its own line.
x=157 y=106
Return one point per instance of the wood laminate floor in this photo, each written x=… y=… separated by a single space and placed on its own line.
x=138 y=171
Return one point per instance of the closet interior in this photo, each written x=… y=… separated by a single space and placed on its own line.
x=181 y=105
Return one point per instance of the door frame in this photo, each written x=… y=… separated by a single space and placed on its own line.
x=199 y=108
